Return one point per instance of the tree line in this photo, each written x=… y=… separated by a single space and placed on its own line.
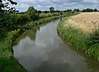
x=52 y=9
x=82 y=10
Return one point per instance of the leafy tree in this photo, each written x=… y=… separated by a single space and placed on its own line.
x=87 y=10
x=51 y=9
x=4 y=5
x=45 y=11
x=32 y=12
x=76 y=10
x=69 y=10
x=5 y=16
x=95 y=10
x=39 y=11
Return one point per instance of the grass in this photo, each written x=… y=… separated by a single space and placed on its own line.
x=5 y=45
x=7 y=62
x=78 y=37
x=10 y=65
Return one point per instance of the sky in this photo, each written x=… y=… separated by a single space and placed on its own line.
x=57 y=4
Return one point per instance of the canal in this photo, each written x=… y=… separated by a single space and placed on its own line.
x=48 y=53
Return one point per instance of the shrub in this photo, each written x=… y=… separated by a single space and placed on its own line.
x=22 y=19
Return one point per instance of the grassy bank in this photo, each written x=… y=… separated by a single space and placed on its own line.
x=7 y=62
x=78 y=39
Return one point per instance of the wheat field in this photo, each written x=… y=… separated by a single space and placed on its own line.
x=87 y=22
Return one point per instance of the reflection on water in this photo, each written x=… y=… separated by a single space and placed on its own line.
x=93 y=65
x=48 y=67
x=48 y=53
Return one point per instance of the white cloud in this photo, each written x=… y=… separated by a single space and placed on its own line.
x=91 y=1
x=58 y=4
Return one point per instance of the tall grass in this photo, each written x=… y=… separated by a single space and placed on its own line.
x=7 y=62
x=78 y=39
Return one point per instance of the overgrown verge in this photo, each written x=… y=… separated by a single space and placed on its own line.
x=80 y=41
x=7 y=62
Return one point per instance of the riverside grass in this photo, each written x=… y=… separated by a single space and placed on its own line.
x=7 y=62
x=79 y=38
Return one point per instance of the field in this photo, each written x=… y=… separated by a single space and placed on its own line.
x=82 y=33
x=87 y=22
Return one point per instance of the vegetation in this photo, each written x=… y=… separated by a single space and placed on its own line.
x=14 y=23
x=32 y=12
x=51 y=9
x=10 y=65
x=89 y=10
x=79 y=31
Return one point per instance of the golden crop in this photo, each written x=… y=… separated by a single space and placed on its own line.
x=87 y=22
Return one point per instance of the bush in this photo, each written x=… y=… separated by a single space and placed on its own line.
x=22 y=19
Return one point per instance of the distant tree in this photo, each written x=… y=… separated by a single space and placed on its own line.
x=76 y=10
x=69 y=10
x=65 y=10
x=95 y=10
x=32 y=12
x=51 y=9
x=39 y=11
x=45 y=11
x=58 y=11
x=87 y=10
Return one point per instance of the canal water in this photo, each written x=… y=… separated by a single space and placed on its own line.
x=48 y=53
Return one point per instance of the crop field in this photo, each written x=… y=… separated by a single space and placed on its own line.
x=87 y=22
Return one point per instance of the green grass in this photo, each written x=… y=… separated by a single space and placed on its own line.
x=5 y=45
x=78 y=40
x=7 y=62
x=10 y=65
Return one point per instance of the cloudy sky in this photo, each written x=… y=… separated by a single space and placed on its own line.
x=58 y=4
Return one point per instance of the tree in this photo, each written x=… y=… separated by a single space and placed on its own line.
x=51 y=9
x=32 y=12
x=95 y=10
x=87 y=10
x=76 y=10
x=69 y=10
x=5 y=18
x=5 y=5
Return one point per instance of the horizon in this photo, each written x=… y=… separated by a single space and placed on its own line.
x=57 y=4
